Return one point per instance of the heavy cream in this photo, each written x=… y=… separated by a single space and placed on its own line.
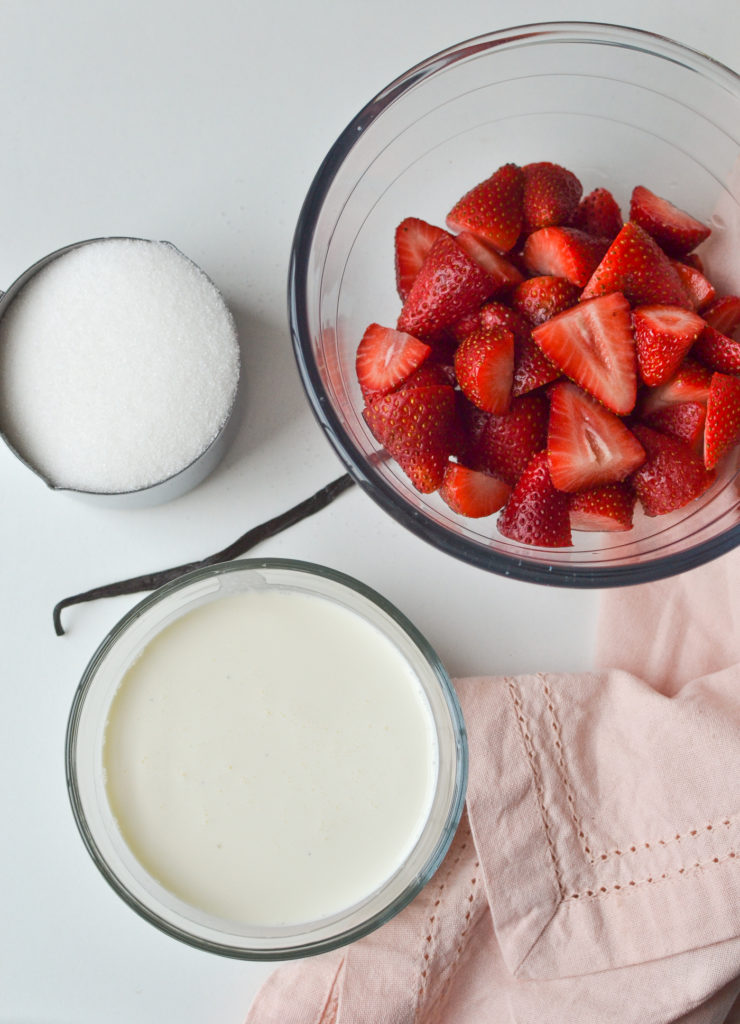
x=270 y=758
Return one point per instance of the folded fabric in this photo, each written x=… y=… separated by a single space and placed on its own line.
x=596 y=873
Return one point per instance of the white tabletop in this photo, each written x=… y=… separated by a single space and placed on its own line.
x=203 y=124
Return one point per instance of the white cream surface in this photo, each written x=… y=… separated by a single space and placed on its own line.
x=270 y=758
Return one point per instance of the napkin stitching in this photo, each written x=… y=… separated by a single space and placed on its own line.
x=539 y=789
x=603 y=891
x=638 y=846
x=562 y=770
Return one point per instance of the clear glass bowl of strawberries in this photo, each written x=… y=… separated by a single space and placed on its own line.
x=515 y=303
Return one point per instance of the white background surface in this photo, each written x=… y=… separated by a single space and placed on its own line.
x=203 y=124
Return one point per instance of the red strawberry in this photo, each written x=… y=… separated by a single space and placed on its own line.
x=690 y=383
x=493 y=314
x=684 y=420
x=717 y=351
x=540 y=298
x=564 y=252
x=663 y=336
x=699 y=288
x=675 y=231
x=722 y=430
x=472 y=493
x=502 y=273
x=637 y=267
x=506 y=443
x=414 y=238
x=592 y=344
x=536 y=512
x=531 y=368
x=449 y=286
x=417 y=427
x=385 y=358
x=551 y=195
x=586 y=444
x=598 y=214
x=484 y=367
x=493 y=209
x=609 y=508
x=671 y=477
x=693 y=259
x=430 y=372
x=724 y=314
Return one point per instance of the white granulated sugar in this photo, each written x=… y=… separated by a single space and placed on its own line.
x=119 y=363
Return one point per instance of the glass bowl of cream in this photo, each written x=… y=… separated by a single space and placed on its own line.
x=266 y=759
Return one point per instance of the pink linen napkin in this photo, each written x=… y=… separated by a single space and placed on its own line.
x=595 y=875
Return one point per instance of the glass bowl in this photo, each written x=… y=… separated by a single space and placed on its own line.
x=99 y=785
x=617 y=106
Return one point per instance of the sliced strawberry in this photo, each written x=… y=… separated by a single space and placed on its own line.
x=717 y=351
x=699 y=288
x=386 y=358
x=636 y=266
x=551 y=195
x=493 y=209
x=540 y=298
x=722 y=430
x=607 y=508
x=690 y=383
x=564 y=252
x=414 y=238
x=417 y=426
x=503 y=273
x=494 y=314
x=586 y=444
x=506 y=443
x=472 y=493
x=448 y=286
x=484 y=367
x=684 y=420
x=675 y=231
x=536 y=512
x=724 y=314
x=532 y=369
x=592 y=344
x=672 y=475
x=598 y=214
x=663 y=336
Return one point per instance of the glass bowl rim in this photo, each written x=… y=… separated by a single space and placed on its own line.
x=459 y=756
x=519 y=566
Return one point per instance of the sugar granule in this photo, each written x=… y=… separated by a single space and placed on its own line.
x=119 y=364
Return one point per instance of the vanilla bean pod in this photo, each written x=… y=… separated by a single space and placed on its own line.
x=150 y=581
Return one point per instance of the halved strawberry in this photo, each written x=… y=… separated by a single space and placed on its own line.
x=636 y=266
x=540 y=298
x=663 y=336
x=722 y=431
x=503 y=273
x=532 y=369
x=586 y=444
x=484 y=367
x=592 y=344
x=675 y=231
x=493 y=209
x=536 y=512
x=385 y=358
x=493 y=314
x=430 y=372
x=699 y=288
x=672 y=475
x=724 y=314
x=564 y=252
x=472 y=493
x=449 y=285
x=598 y=214
x=506 y=443
x=417 y=426
x=684 y=420
x=607 y=508
x=413 y=240
x=690 y=383
x=717 y=351
x=551 y=195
